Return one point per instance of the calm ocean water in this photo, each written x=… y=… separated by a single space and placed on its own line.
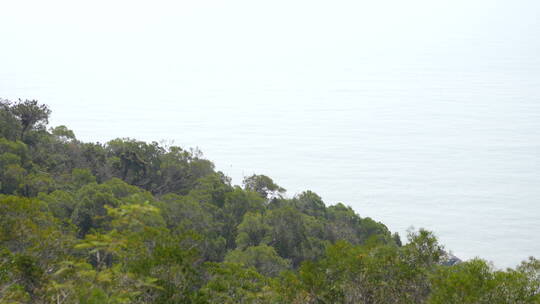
x=441 y=131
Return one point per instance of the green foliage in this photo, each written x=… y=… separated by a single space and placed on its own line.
x=63 y=133
x=310 y=203
x=14 y=147
x=252 y=231
x=344 y=224
x=35 y=183
x=30 y=115
x=238 y=202
x=288 y=233
x=212 y=189
x=263 y=185
x=135 y=222
x=359 y=274
x=89 y=212
x=156 y=168
x=10 y=126
x=81 y=177
x=476 y=281
x=31 y=243
x=12 y=177
x=184 y=214
x=264 y=258
x=232 y=283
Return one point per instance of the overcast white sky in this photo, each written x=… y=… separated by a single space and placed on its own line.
x=143 y=47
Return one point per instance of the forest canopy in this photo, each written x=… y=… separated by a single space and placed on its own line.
x=135 y=222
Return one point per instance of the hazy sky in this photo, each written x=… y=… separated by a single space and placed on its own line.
x=160 y=49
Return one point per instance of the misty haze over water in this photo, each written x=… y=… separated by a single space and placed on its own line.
x=428 y=116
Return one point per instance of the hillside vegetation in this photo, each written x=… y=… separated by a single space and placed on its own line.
x=135 y=222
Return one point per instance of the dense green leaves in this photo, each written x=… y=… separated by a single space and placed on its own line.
x=135 y=222
x=264 y=258
x=263 y=185
x=234 y=283
x=476 y=281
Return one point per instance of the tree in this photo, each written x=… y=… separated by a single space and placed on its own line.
x=344 y=224
x=423 y=248
x=238 y=202
x=10 y=126
x=212 y=189
x=288 y=234
x=476 y=281
x=34 y=183
x=252 y=231
x=31 y=114
x=231 y=283
x=183 y=214
x=310 y=203
x=264 y=258
x=31 y=244
x=141 y=260
x=90 y=212
x=12 y=176
x=63 y=133
x=263 y=185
